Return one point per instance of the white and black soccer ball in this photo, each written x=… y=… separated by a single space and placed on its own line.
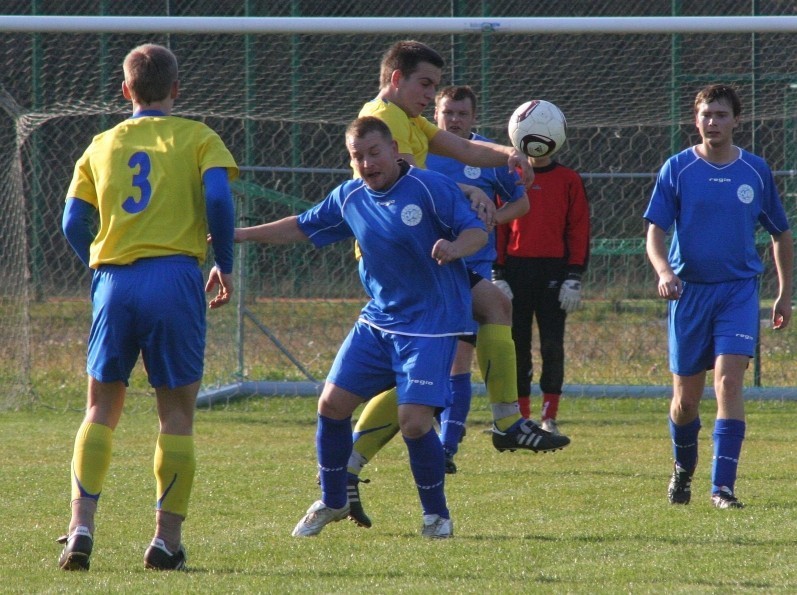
x=538 y=128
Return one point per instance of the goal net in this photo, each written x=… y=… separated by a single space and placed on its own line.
x=281 y=101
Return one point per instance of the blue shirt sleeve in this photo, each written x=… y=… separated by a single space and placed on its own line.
x=662 y=208
x=221 y=216
x=78 y=223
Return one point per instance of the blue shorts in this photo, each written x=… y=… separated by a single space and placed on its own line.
x=156 y=307
x=709 y=320
x=371 y=361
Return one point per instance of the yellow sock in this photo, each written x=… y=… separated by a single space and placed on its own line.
x=377 y=424
x=175 y=463
x=91 y=460
x=495 y=352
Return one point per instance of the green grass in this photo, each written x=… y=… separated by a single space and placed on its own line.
x=592 y=518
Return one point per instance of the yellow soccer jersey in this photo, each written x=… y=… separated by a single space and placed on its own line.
x=411 y=134
x=144 y=176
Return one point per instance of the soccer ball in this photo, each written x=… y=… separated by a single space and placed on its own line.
x=538 y=128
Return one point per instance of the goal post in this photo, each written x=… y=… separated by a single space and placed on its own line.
x=280 y=90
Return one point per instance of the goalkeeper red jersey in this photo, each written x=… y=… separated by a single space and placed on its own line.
x=557 y=224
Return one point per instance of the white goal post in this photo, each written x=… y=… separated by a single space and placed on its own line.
x=398 y=25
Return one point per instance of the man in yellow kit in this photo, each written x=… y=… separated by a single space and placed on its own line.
x=157 y=184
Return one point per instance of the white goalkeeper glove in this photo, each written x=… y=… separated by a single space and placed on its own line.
x=500 y=283
x=570 y=293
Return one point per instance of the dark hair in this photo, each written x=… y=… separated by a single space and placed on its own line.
x=367 y=124
x=150 y=71
x=457 y=93
x=719 y=92
x=405 y=56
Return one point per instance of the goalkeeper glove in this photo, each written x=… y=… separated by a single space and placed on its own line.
x=570 y=293
x=500 y=283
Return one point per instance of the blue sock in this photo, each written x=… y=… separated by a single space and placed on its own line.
x=333 y=443
x=428 y=468
x=684 y=444
x=728 y=436
x=452 y=421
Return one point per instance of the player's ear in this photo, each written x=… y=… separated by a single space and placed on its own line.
x=395 y=78
x=175 y=90
x=126 y=91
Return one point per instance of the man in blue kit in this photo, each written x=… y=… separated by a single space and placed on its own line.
x=714 y=194
x=413 y=229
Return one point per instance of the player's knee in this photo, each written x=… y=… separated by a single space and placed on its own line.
x=492 y=307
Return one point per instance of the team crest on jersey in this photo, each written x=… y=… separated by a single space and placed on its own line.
x=745 y=193
x=411 y=215
x=472 y=173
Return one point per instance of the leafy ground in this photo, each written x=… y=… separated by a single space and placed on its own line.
x=592 y=518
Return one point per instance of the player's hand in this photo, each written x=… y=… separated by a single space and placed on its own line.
x=570 y=293
x=444 y=252
x=670 y=286
x=481 y=203
x=519 y=161
x=781 y=314
x=225 y=287
x=500 y=282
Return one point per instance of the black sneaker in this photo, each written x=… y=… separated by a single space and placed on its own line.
x=356 y=512
x=725 y=499
x=158 y=557
x=680 y=489
x=525 y=433
x=77 y=549
x=451 y=466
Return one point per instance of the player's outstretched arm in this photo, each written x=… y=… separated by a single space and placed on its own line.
x=783 y=252
x=284 y=231
x=482 y=154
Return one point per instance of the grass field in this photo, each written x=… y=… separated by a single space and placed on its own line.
x=590 y=519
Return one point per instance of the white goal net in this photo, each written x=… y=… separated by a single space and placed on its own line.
x=281 y=100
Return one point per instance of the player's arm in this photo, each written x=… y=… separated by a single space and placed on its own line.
x=220 y=213
x=669 y=286
x=510 y=211
x=78 y=223
x=482 y=154
x=468 y=242
x=284 y=231
x=783 y=255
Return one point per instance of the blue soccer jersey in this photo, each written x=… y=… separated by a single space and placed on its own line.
x=715 y=210
x=495 y=182
x=410 y=293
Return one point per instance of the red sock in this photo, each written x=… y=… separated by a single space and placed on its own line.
x=524 y=403
x=550 y=405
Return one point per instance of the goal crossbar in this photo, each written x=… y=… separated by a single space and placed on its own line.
x=418 y=25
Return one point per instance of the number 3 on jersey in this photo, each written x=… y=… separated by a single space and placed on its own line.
x=141 y=162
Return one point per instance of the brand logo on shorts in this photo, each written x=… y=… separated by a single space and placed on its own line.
x=421 y=382
x=472 y=173
x=411 y=215
x=743 y=336
x=745 y=193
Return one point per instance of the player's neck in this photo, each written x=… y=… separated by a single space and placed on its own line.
x=724 y=153
x=387 y=95
x=165 y=107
